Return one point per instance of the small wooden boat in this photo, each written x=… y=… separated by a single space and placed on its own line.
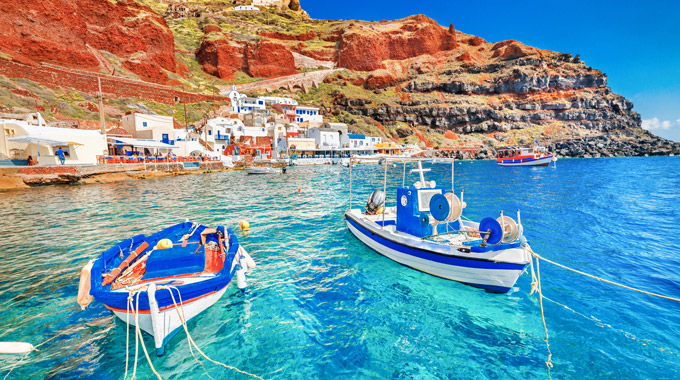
x=517 y=156
x=151 y=280
x=263 y=170
x=427 y=231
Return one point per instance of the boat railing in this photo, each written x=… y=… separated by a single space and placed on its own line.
x=108 y=160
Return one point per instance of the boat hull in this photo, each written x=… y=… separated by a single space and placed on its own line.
x=543 y=161
x=487 y=274
x=167 y=322
x=188 y=273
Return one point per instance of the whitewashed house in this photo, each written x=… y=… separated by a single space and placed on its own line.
x=373 y=141
x=306 y=114
x=354 y=141
x=324 y=138
x=242 y=104
x=150 y=127
x=19 y=139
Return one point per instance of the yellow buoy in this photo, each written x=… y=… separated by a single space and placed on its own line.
x=380 y=211
x=164 y=244
x=244 y=225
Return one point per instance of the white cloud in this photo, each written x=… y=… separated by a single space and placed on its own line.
x=655 y=124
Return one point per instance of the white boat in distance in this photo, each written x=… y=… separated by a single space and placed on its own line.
x=427 y=231
x=263 y=170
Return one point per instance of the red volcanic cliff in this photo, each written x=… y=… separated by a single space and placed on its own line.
x=264 y=59
x=365 y=46
x=72 y=32
x=362 y=46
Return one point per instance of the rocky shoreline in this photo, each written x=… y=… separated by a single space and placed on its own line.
x=27 y=177
x=587 y=147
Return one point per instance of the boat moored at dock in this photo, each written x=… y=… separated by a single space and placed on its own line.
x=427 y=231
x=162 y=281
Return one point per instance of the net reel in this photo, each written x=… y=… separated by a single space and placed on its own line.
x=511 y=230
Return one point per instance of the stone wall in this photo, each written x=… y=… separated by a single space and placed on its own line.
x=60 y=77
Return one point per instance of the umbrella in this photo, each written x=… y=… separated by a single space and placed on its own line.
x=38 y=140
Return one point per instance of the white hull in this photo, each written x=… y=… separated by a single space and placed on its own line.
x=490 y=278
x=261 y=170
x=168 y=322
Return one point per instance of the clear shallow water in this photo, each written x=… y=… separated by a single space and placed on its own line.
x=322 y=305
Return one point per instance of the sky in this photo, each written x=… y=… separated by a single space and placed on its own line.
x=636 y=43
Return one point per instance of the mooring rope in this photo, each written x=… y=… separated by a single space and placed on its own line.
x=35 y=348
x=192 y=342
x=139 y=333
x=537 y=256
x=548 y=362
x=536 y=284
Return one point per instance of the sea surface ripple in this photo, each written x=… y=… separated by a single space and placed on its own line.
x=322 y=305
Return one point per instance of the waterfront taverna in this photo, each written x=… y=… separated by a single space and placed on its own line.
x=19 y=140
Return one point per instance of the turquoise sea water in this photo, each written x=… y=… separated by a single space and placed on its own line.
x=322 y=305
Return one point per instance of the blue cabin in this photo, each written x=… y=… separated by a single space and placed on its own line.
x=414 y=214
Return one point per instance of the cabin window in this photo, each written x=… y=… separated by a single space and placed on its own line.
x=424 y=197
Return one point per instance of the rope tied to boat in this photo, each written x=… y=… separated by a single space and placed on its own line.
x=133 y=293
x=191 y=340
x=536 y=286
x=538 y=257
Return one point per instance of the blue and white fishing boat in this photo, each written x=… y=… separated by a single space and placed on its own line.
x=160 y=282
x=428 y=232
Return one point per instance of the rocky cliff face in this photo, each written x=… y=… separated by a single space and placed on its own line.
x=362 y=46
x=74 y=33
x=429 y=84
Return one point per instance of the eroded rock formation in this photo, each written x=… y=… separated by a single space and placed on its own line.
x=74 y=34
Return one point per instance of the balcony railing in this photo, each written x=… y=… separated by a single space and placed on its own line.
x=105 y=160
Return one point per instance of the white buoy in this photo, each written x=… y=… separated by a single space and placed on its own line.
x=241 y=279
x=15 y=348
x=249 y=260
x=243 y=262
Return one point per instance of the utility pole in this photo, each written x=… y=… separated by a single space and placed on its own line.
x=102 y=122
x=186 y=121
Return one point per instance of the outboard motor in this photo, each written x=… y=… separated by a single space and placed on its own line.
x=375 y=201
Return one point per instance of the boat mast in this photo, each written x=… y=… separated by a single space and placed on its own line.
x=421 y=171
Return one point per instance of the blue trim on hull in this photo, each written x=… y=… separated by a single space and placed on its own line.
x=436 y=256
x=395 y=246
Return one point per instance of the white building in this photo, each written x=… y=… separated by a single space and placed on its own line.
x=242 y=104
x=246 y=8
x=340 y=127
x=373 y=141
x=267 y=3
x=353 y=141
x=151 y=127
x=271 y=100
x=19 y=139
x=305 y=114
x=324 y=138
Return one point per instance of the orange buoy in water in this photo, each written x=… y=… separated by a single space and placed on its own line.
x=299 y=189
